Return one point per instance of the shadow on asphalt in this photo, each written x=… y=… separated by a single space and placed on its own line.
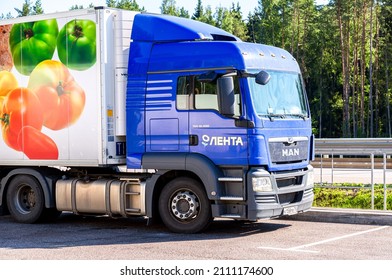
x=71 y=230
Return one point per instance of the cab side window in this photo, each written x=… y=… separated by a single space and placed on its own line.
x=195 y=95
x=183 y=93
x=206 y=96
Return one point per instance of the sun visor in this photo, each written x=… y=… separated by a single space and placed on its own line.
x=164 y=28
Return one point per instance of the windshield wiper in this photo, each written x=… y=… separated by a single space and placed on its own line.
x=272 y=116
x=302 y=116
x=283 y=116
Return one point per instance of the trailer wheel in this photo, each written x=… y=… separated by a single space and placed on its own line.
x=25 y=199
x=184 y=206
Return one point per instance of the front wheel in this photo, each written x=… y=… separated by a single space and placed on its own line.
x=184 y=206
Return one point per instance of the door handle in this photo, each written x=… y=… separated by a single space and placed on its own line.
x=193 y=140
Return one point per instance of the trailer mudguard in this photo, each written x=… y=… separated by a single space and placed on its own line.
x=46 y=183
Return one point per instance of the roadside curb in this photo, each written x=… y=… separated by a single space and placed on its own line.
x=347 y=216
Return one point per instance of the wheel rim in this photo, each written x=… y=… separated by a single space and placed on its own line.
x=25 y=199
x=185 y=205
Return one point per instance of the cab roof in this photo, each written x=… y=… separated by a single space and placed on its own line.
x=164 y=28
x=193 y=45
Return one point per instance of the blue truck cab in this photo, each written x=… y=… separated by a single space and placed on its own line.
x=224 y=123
x=171 y=118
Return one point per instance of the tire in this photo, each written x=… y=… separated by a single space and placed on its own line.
x=25 y=199
x=184 y=206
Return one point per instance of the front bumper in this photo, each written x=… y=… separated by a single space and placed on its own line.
x=292 y=193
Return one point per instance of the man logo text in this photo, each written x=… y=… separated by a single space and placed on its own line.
x=290 y=152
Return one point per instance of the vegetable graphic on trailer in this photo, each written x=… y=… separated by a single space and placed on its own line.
x=41 y=101
x=76 y=44
x=32 y=42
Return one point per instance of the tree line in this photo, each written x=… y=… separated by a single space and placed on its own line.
x=343 y=48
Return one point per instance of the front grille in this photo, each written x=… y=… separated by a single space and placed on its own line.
x=289 y=181
x=283 y=152
x=288 y=198
x=265 y=199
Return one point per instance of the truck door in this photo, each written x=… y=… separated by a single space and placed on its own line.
x=215 y=105
x=166 y=118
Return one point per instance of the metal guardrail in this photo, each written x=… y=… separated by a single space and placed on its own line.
x=368 y=147
x=354 y=146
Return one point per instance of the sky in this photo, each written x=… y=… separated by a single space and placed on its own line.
x=151 y=6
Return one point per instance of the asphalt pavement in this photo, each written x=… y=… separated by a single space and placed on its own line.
x=319 y=234
x=347 y=216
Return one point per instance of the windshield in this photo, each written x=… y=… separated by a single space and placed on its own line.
x=283 y=96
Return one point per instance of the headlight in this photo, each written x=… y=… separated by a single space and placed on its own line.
x=310 y=182
x=262 y=184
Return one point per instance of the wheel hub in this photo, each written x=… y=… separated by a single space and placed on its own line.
x=26 y=199
x=30 y=199
x=184 y=205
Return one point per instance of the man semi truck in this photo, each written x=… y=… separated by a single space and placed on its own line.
x=121 y=113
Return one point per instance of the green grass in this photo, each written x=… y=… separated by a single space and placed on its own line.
x=357 y=196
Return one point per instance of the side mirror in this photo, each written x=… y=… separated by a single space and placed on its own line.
x=262 y=78
x=226 y=98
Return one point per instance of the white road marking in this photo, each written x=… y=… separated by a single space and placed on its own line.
x=288 y=249
x=300 y=248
